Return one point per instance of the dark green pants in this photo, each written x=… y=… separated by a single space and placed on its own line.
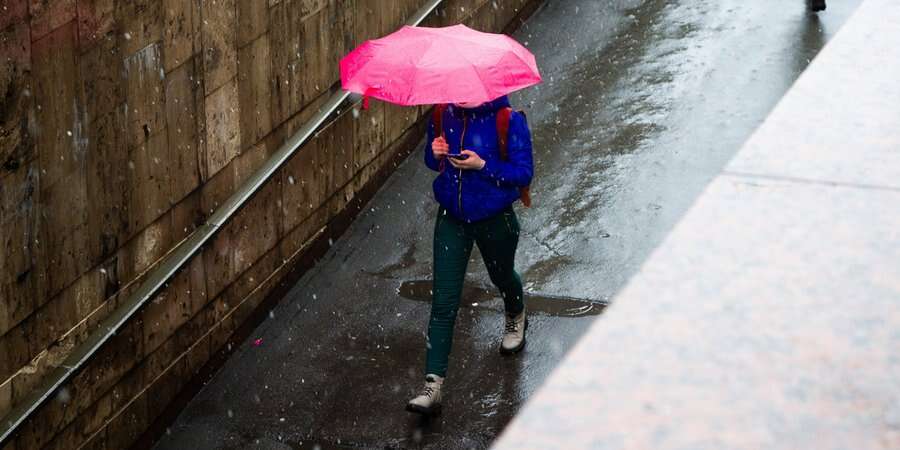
x=497 y=238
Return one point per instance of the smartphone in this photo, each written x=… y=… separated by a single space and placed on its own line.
x=458 y=156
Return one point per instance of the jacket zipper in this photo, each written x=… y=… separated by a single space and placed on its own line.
x=461 y=140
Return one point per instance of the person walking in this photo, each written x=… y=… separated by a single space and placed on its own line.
x=475 y=189
x=481 y=150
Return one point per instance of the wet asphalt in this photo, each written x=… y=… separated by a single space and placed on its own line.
x=643 y=103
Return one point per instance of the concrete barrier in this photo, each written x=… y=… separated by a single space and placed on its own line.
x=769 y=317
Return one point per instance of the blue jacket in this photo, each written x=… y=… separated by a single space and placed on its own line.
x=472 y=195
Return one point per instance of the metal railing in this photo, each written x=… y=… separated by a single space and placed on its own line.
x=173 y=261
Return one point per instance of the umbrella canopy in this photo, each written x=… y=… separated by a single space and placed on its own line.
x=426 y=65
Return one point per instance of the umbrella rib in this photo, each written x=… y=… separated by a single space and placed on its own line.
x=481 y=38
x=526 y=63
x=517 y=57
x=477 y=74
x=414 y=62
x=416 y=75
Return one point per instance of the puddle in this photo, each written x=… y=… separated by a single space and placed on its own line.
x=489 y=298
x=407 y=259
x=319 y=445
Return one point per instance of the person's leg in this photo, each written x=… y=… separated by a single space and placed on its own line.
x=452 y=248
x=497 y=240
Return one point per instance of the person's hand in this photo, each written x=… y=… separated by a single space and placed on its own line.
x=472 y=162
x=439 y=148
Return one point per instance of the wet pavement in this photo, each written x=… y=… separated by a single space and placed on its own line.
x=643 y=104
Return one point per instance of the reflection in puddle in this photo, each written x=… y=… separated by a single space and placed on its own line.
x=478 y=297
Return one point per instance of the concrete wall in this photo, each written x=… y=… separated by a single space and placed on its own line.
x=123 y=125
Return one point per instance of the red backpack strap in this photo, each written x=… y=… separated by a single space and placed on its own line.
x=503 y=118
x=437 y=118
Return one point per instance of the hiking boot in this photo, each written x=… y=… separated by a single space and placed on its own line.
x=818 y=5
x=514 y=334
x=428 y=401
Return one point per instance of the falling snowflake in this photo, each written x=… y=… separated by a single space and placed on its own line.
x=64 y=396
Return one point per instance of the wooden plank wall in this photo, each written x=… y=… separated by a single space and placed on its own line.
x=123 y=125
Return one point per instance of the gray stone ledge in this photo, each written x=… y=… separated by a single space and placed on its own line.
x=770 y=316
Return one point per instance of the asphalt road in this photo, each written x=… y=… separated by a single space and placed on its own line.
x=643 y=103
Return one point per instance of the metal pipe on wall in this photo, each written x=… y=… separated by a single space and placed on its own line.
x=176 y=259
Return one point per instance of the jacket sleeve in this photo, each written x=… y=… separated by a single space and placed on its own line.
x=430 y=161
x=518 y=169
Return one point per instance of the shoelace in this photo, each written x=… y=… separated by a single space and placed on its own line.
x=511 y=325
x=428 y=391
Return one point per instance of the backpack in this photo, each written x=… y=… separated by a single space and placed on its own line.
x=503 y=116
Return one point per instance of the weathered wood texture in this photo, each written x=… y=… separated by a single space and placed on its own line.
x=123 y=125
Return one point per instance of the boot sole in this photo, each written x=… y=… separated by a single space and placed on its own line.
x=434 y=411
x=518 y=348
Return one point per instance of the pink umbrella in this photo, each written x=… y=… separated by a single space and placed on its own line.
x=425 y=65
